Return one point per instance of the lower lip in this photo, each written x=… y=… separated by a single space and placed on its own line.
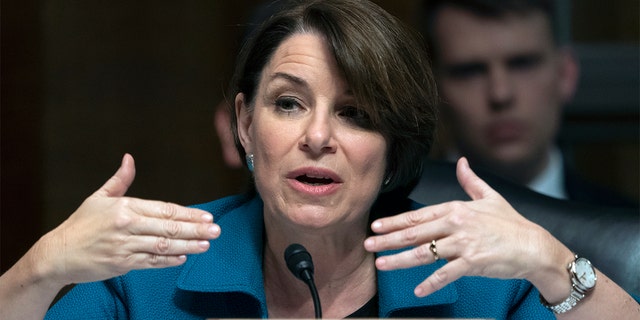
x=315 y=190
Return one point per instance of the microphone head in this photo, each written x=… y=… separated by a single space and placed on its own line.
x=298 y=261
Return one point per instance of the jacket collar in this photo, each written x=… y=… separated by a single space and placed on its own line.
x=233 y=263
x=395 y=289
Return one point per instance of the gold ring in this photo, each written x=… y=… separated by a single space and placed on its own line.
x=434 y=250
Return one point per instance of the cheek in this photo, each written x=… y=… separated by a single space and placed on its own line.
x=540 y=88
x=271 y=142
x=370 y=154
x=465 y=118
x=270 y=148
x=465 y=102
x=540 y=101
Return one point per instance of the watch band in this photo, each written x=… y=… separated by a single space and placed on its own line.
x=566 y=305
x=577 y=293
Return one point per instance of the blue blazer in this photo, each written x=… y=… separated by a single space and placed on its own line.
x=227 y=281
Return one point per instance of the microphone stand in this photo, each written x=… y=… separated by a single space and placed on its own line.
x=300 y=264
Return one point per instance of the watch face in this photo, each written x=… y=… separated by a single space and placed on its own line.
x=585 y=273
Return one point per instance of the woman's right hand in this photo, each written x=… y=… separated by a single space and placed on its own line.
x=109 y=235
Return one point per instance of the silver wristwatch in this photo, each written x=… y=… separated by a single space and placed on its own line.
x=583 y=280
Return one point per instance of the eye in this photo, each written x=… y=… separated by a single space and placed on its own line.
x=525 y=62
x=357 y=116
x=466 y=71
x=287 y=105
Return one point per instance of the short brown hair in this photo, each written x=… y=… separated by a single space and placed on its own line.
x=491 y=9
x=384 y=63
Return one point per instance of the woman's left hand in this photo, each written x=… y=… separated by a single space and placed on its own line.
x=482 y=237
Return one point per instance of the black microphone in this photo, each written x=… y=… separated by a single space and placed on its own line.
x=299 y=262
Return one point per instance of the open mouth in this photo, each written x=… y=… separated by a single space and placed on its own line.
x=314 y=181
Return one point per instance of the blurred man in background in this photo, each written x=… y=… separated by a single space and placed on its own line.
x=504 y=78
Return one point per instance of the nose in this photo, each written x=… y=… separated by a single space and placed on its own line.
x=318 y=136
x=500 y=89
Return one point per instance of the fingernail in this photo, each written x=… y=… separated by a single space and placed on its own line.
x=203 y=244
x=376 y=225
x=419 y=292
x=214 y=230
x=207 y=217
x=369 y=243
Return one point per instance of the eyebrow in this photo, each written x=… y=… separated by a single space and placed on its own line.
x=530 y=57
x=459 y=68
x=299 y=81
x=479 y=65
x=291 y=78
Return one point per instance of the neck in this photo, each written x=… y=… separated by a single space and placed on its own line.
x=522 y=173
x=345 y=278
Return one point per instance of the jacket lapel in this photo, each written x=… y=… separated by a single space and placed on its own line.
x=233 y=263
x=395 y=289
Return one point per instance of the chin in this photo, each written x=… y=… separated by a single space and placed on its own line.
x=317 y=218
x=308 y=215
x=511 y=154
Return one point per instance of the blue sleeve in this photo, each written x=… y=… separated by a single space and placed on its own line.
x=95 y=300
x=526 y=304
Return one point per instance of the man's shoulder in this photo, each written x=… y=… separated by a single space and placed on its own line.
x=581 y=189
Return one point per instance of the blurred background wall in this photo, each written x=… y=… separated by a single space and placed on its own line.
x=602 y=123
x=83 y=82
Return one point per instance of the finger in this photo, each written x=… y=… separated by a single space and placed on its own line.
x=448 y=273
x=172 y=229
x=168 y=211
x=412 y=236
x=154 y=261
x=166 y=246
x=119 y=183
x=408 y=219
x=475 y=187
x=418 y=255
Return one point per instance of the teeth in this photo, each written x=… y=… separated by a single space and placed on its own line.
x=314 y=180
x=316 y=177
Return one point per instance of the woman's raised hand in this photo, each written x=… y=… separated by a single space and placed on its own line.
x=109 y=234
x=482 y=237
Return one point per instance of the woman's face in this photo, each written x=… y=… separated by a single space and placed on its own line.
x=314 y=164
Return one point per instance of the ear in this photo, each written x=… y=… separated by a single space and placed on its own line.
x=569 y=74
x=244 y=120
x=222 y=119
